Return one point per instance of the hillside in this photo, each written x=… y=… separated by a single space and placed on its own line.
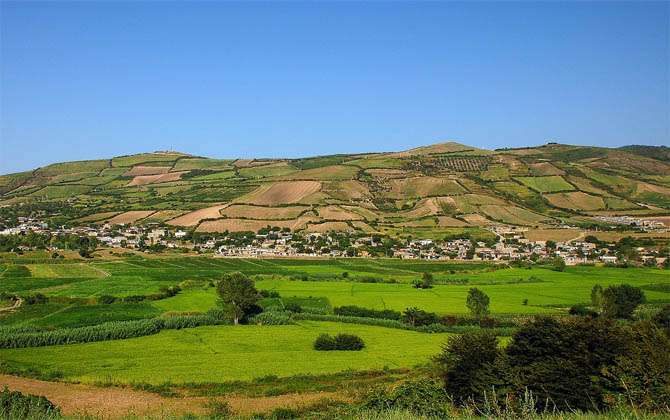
x=433 y=188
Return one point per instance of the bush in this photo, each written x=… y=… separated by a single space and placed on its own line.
x=582 y=310
x=662 y=319
x=345 y=342
x=423 y=397
x=348 y=342
x=107 y=299
x=621 y=301
x=19 y=406
x=464 y=359
x=271 y=318
x=133 y=298
x=293 y=307
x=367 y=313
x=324 y=342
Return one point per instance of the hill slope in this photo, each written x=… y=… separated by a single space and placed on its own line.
x=437 y=188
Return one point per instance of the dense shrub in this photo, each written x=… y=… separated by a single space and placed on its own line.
x=133 y=298
x=107 y=299
x=36 y=299
x=268 y=293
x=582 y=310
x=424 y=397
x=346 y=342
x=103 y=332
x=662 y=319
x=367 y=313
x=417 y=317
x=16 y=405
x=324 y=342
x=293 y=307
x=464 y=359
x=271 y=318
x=620 y=301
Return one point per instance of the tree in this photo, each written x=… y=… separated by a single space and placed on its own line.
x=620 y=301
x=597 y=298
x=237 y=293
x=464 y=358
x=478 y=303
x=427 y=281
x=558 y=263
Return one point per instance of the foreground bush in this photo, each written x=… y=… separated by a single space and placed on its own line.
x=18 y=406
x=424 y=397
x=117 y=330
x=347 y=342
x=271 y=318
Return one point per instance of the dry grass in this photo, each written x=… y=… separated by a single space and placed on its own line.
x=576 y=200
x=347 y=190
x=387 y=173
x=545 y=168
x=446 y=221
x=281 y=193
x=130 y=216
x=164 y=215
x=421 y=187
x=556 y=235
x=156 y=179
x=329 y=227
x=512 y=214
x=240 y=225
x=337 y=213
x=97 y=216
x=147 y=170
x=263 y=213
x=325 y=173
x=242 y=163
x=194 y=217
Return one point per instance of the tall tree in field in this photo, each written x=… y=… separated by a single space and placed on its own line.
x=237 y=293
x=478 y=303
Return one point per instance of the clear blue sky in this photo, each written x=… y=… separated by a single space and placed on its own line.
x=94 y=80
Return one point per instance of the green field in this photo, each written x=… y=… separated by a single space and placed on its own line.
x=219 y=353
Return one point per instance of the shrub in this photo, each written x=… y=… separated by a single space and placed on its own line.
x=620 y=301
x=271 y=318
x=134 y=298
x=478 y=303
x=423 y=397
x=16 y=405
x=367 y=313
x=324 y=342
x=662 y=319
x=464 y=358
x=36 y=299
x=346 y=342
x=107 y=299
x=582 y=310
x=293 y=307
x=417 y=317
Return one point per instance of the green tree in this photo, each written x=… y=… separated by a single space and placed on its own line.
x=427 y=281
x=558 y=263
x=237 y=293
x=478 y=303
x=597 y=298
x=464 y=358
x=620 y=301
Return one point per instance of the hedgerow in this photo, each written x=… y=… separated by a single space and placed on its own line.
x=103 y=332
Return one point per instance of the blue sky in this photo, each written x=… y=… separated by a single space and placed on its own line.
x=95 y=80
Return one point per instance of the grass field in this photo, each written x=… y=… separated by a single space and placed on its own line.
x=219 y=353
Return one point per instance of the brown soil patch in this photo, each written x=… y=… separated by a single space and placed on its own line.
x=194 y=217
x=422 y=187
x=643 y=186
x=329 y=227
x=156 y=179
x=263 y=213
x=331 y=172
x=545 y=168
x=163 y=215
x=114 y=402
x=130 y=216
x=557 y=235
x=478 y=220
x=281 y=193
x=347 y=190
x=446 y=221
x=242 y=163
x=337 y=213
x=147 y=170
x=240 y=225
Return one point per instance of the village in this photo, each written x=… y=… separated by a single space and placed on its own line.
x=510 y=244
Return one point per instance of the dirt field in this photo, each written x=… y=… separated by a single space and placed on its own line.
x=337 y=213
x=116 y=402
x=387 y=173
x=326 y=173
x=556 y=235
x=422 y=187
x=329 y=227
x=545 y=168
x=239 y=225
x=163 y=215
x=478 y=220
x=131 y=216
x=446 y=221
x=347 y=190
x=147 y=170
x=576 y=200
x=281 y=193
x=427 y=207
x=263 y=213
x=156 y=179
x=194 y=217
x=242 y=163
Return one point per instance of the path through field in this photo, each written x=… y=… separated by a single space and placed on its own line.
x=114 y=402
x=17 y=303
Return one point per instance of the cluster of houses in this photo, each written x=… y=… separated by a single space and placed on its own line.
x=511 y=244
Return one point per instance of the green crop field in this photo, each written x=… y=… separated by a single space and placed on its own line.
x=219 y=353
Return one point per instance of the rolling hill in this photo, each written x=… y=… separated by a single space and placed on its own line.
x=437 y=187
